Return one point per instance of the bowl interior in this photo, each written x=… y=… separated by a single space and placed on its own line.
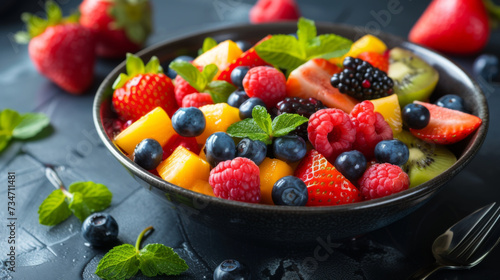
x=452 y=80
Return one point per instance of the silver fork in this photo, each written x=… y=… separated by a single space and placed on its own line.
x=466 y=243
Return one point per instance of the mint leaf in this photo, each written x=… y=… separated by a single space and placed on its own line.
x=262 y=119
x=208 y=43
x=250 y=129
x=210 y=71
x=157 y=259
x=54 y=209
x=189 y=73
x=4 y=139
x=9 y=119
x=121 y=262
x=285 y=123
x=220 y=90
x=134 y=65
x=283 y=51
x=306 y=30
x=30 y=125
x=328 y=46
x=88 y=197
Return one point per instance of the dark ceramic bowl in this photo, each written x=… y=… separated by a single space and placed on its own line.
x=298 y=224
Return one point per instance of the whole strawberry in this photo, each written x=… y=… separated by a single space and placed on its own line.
x=61 y=49
x=325 y=185
x=120 y=26
x=454 y=26
x=143 y=89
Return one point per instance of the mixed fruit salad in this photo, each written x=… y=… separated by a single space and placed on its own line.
x=297 y=120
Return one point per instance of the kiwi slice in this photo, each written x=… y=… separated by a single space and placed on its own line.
x=413 y=78
x=426 y=161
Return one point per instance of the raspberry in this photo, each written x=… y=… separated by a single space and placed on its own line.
x=197 y=100
x=331 y=132
x=383 y=179
x=362 y=81
x=177 y=140
x=301 y=106
x=236 y=179
x=371 y=128
x=266 y=83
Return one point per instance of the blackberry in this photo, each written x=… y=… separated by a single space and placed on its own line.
x=362 y=81
x=301 y=106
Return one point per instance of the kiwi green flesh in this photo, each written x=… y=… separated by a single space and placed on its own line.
x=426 y=161
x=413 y=78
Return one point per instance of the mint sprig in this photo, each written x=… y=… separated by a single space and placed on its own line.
x=82 y=199
x=22 y=127
x=261 y=127
x=208 y=43
x=202 y=81
x=135 y=66
x=288 y=52
x=124 y=261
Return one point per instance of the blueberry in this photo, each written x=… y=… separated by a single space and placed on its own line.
x=189 y=121
x=254 y=150
x=219 y=147
x=416 y=116
x=170 y=72
x=290 y=191
x=100 y=229
x=148 y=154
x=243 y=45
x=289 y=148
x=232 y=270
x=238 y=74
x=392 y=151
x=237 y=98
x=452 y=101
x=247 y=107
x=487 y=67
x=351 y=164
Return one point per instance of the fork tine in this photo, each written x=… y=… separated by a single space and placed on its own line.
x=478 y=239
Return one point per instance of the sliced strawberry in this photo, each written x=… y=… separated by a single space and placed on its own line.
x=248 y=58
x=274 y=10
x=325 y=184
x=380 y=61
x=312 y=79
x=177 y=140
x=446 y=126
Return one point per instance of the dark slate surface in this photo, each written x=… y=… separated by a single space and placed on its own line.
x=73 y=147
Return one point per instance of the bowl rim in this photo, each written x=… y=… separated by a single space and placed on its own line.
x=415 y=193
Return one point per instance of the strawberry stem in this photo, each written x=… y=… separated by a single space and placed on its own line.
x=493 y=9
x=141 y=235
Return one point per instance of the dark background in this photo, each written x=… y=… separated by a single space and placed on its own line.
x=72 y=145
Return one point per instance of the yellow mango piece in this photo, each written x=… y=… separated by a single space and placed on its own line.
x=221 y=55
x=203 y=187
x=218 y=117
x=202 y=154
x=271 y=170
x=391 y=111
x=367 y=43
x=156 y=125
x=183 y=168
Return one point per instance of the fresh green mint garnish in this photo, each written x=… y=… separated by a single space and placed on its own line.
x=202 y=81
x=124 y=261
x=82 y=199
x=261 y=127
x=288 y=52
x=208 y=43
x=17 y=126
x=135 y=66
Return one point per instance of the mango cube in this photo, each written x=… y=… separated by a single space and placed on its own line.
x=218 y=118
x=271 y=170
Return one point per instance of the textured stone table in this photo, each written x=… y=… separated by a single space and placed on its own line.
x=72 y=146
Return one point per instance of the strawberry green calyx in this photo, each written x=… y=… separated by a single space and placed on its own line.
x=36 y=25
x=135 y=66
x=493 y=9
x=134 y=17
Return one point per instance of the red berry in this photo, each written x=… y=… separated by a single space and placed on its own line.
x=383 y=179
x=182 y=88
x=177 y=140
x=274 y=10
x=236 y=179
x=325 y=184
x=331 y=132
x=266 y=83
x=197 y=100
x=142 y=93
x=370 y=126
